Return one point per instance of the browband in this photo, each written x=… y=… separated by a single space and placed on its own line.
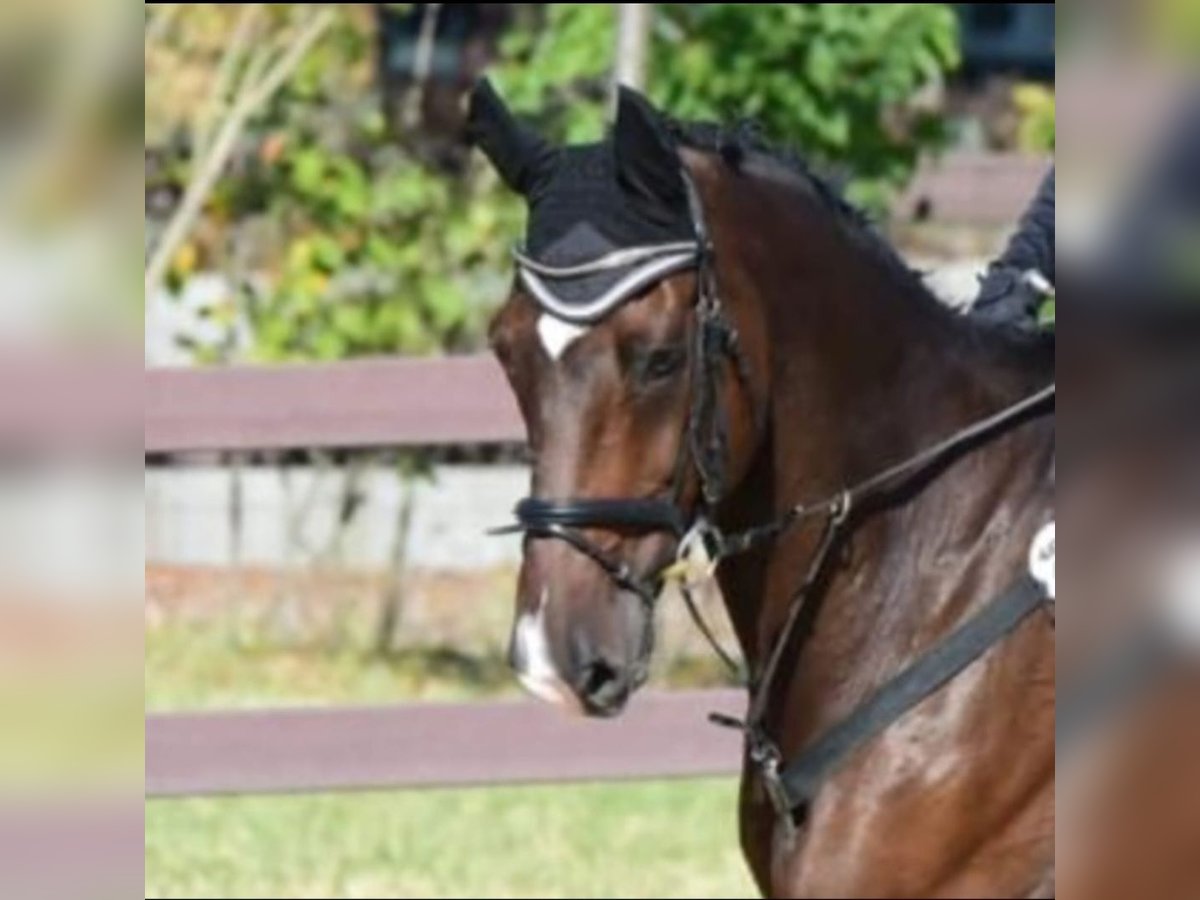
x=626 y=256
x=648 y=264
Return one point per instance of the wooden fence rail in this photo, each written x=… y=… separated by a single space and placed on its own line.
x=428 y=745
x=456 y=399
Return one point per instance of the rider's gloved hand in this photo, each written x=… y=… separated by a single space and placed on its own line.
x=1016 y=284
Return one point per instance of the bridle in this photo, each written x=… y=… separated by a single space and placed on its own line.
x=705 y=445
x=705 y=439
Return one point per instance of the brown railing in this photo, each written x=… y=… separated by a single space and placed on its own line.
x=427 y=744
x=349 y=404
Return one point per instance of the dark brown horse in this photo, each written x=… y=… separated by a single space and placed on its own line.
x=837 y=364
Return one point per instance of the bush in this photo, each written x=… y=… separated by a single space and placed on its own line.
x=843 y=83
x=342 y=243
x=1035 y=104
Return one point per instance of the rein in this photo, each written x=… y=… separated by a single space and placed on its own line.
x=705 y=439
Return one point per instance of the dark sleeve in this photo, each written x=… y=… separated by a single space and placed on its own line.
x=1032 y=247
x=1003 y=294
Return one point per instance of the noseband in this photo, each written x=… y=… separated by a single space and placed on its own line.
x=705 y=428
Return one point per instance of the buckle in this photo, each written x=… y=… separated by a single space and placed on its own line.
x=765 y=755
x=697 y=555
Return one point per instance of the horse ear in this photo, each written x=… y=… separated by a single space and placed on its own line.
x=648 y=164
x=521 y=156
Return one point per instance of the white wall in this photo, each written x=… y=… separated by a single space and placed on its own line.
x=187 y=516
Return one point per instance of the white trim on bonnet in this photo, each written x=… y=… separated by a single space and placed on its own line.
x=587 y=313
x=618 y=259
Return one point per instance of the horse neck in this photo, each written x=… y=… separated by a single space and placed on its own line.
x=864 y=368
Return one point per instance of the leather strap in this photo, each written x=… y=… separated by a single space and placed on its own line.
x=803 y=776
x=642 y=514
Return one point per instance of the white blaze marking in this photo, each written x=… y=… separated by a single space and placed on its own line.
x=557 y=334
x=537 y=672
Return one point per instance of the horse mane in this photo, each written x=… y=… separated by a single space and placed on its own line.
x=745 y=141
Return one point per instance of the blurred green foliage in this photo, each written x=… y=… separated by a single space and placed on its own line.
x=1174 y=27
x=339 y=242
x=1035 y=104
x=843 y=83
x=378 y=254
x=1046 y=313
x=361 y=249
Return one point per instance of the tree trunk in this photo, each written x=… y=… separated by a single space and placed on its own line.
x=633 y=41
x=392 y=601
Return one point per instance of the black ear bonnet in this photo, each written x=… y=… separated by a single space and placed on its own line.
x=606 y=220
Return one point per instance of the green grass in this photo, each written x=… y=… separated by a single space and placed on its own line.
x=201 y=665
x=193 y=665
x=654 y=839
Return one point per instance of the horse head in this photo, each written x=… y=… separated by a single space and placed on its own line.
x=629 y=380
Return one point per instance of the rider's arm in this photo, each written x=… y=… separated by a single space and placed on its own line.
x=1005 y=294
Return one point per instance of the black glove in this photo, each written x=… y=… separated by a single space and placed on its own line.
x=1006 y=293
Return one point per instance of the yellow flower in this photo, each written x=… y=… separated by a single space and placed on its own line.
x=316 y=283
x=185 y=259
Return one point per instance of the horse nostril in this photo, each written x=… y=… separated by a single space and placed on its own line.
x=597 y=677
x=603 y=688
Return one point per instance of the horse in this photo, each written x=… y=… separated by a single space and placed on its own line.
x=703 y=337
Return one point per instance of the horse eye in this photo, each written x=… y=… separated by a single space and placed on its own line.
x=662 y=363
